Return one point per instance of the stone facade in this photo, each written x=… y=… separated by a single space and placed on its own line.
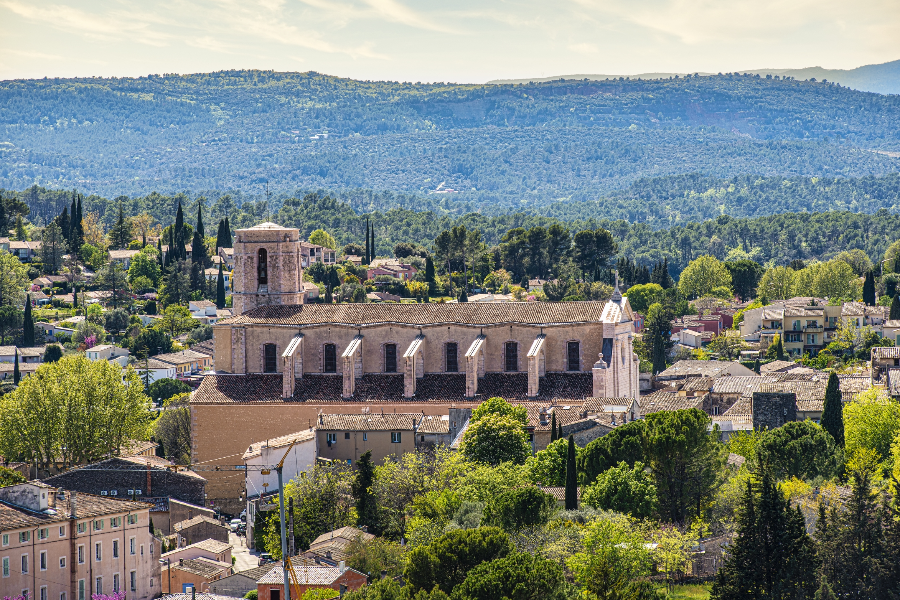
x=771 y=410
x=267 y=267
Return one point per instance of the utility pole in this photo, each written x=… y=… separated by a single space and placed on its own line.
x=284 y=556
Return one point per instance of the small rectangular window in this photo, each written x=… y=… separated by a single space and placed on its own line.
x=24 y=536
x=133 y=575
x=452 y=365
x=346 y=435
x=331 y=437
x=98 y=552
x=6 y=566
x=82 y=527
x=365 y=437
x=133 y=546
x=81 y=589
x=62 y=532
x=6 y=539
x=24 y=563
x=62 y=562
x=116 y=582
x=395 y=437
x=81 y=554
x=512 y=357
x=330 y=359
x=390 y=358
x=43 y=533
x=98 y=585
x=115 y=549
x=270 y=353
x=43 y=561
x=573 y=355
x=44 y=593
x=62 y=596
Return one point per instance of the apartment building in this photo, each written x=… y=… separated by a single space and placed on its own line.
x=57 y=544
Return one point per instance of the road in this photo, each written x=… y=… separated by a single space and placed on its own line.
x=245 y=558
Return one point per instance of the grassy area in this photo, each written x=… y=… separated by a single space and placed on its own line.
x=688 y=591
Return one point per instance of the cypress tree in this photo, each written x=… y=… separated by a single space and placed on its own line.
x=571 y=477
x=553 y=436
x=429 y=276
x=559 y=432
x=77 y=229
x=220 y=289
x=895 y=308
x=361 y=488
x=372 y=243
x=4 y=222
x=779 y=349
x=228 y=235
x=367 y=242
x=27 y=325
x=180 y=250
x=120 y=234
x=162 y=263
x=756 y=366
x=16 y=374
x=833 y=411
x=199 y=227
x=869 y=289
x=71 y=230
x=220 y=235
x=62 y=220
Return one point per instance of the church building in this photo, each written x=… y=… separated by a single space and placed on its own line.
x=281 y=360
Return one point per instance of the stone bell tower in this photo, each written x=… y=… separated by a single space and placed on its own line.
x=267 y=267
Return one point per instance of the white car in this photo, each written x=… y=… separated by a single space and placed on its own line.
x=234 y=524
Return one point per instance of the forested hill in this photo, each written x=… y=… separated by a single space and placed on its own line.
x=510 y=146
x=778 y=238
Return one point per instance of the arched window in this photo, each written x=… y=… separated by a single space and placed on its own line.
x=330 y=362
x=270 y=358
x=390 y=358
x=262 y=267
x=512 y=357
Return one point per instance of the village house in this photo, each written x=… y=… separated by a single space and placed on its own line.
x=190 y=574
x=334 y=545
x=213 y=550
x=212 y=274
x=109 y=353
x=391 y=268
x=298 y=450
x=280 y=363
x=58 y=543
x=340 y=578
x=152 y=370
x=238 y=584
x=311 y=253
x=186 y=362
x=199 y=528
x=23 y=250
x=123 y=257
x=347 y=437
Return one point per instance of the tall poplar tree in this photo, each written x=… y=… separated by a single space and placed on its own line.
x=833 y=411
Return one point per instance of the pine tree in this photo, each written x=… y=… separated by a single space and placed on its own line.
x=833 y=411
x=27 y=325
x=553 y=436
x=220 y=289
x=571 y=477
x=895 y=308
x=824 y=592
x=16 y=375
x=869 y=289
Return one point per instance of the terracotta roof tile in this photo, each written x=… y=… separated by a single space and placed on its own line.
x=435 y=424
x=469 y=313
x=370 y=422
x=88 y=505
x=195 y=521
x=203 y=567
x=662 y=400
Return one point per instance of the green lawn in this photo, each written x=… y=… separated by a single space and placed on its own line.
x=688 y=592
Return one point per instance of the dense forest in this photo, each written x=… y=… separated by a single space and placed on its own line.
x=510 y=146
x=779 y=238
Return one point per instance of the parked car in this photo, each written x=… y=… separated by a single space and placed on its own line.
x=235 y=523
x=265 y=558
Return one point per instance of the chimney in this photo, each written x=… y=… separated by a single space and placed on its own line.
x=342 y=566
x=180 y=561
x=51 y=499
x=73 y=506
x=328 y=554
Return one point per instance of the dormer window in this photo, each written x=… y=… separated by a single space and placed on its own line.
x=262 y=267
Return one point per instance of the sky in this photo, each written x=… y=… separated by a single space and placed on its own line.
x=464 y=41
